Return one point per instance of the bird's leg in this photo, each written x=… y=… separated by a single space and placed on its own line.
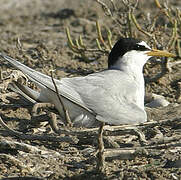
x=100 y=154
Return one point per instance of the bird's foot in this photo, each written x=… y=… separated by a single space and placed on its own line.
x=100 y=154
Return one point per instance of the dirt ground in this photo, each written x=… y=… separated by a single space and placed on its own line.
x=39 y=153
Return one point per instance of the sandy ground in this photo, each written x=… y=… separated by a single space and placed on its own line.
x=40 y=26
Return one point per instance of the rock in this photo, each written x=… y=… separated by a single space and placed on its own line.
x=157 y=101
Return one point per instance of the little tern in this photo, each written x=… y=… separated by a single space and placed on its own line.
x=114 y=96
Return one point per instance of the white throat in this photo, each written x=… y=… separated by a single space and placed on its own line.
x=132 y=63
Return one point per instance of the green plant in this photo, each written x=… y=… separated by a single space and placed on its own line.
x=166 y=34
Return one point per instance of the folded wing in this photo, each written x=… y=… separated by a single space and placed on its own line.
x=108 y=94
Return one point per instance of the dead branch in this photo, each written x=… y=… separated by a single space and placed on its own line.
x=65 y=110
x=6 y=144
x=50 y=138
x=3 y=97
x=132 y=153
x=118 y=131
x=10 y=159
x=124 y=154
x=105 y=8
x=34 y=111
x=53 y=123
x=164 y=70
x=122 y=129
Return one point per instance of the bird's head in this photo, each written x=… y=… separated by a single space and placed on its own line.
x=132 y=52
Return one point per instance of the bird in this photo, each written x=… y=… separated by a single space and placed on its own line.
x=114 y=96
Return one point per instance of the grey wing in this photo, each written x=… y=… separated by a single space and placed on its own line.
x=111 y=100
x=97 y=93
x=45 y=84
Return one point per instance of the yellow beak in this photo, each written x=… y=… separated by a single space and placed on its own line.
x=159 y=53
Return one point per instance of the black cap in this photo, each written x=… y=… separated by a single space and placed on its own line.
x=122 y=46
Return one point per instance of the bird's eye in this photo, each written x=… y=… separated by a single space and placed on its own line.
x=140 y=47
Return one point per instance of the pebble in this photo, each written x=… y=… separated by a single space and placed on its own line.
x=157 y=101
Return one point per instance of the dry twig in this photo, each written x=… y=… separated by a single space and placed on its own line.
x=100 y=154
x=65 y=110
x=45 y=137
x=10 y=159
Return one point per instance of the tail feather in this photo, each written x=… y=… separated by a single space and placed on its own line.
x=44 y=82
x=28 y=93
x=39 y=78
x=17 y=88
